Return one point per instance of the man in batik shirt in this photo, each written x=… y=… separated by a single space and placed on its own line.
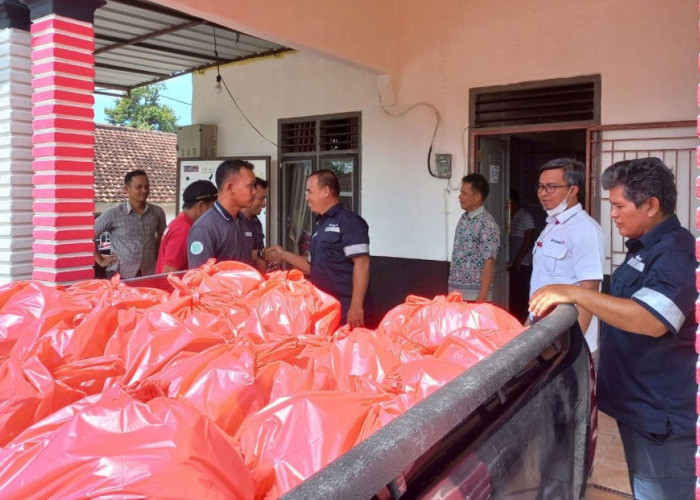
x=477 y=239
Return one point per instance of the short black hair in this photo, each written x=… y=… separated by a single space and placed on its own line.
x=642 y=179
x=134 y=173
x=574 y=173
x=514 y=196
x=327 y=178
x=479 y=183
x=228 y=168
x=261 y=183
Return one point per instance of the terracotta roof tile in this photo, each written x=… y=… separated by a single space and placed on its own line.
x=119 y=150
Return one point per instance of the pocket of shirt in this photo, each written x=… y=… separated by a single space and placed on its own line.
x=554 y=258
x=329 y=237
x=627 y=277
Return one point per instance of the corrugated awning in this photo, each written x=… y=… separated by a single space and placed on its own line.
x=137 y=43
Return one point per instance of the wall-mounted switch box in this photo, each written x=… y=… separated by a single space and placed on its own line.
x=443 y=165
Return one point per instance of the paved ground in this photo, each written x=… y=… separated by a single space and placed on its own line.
x=609 y=480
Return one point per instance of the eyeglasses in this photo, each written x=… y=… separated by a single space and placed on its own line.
x=550 y=188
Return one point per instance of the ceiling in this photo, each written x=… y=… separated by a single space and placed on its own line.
x=138 y=43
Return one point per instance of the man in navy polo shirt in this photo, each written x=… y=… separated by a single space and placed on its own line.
x=219 y=233
x=646 y=379
x=339 y=258
x=252 y=227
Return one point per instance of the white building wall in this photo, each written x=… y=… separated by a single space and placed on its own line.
x=15 y=156
x=644 y=51
x=399 y=200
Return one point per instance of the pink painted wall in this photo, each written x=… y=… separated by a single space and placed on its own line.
x=433 y=50
x=363 y=32
x=492 y=43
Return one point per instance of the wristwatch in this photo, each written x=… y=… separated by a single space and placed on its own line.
x=261 y=253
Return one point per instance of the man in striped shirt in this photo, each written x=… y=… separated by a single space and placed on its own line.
x=135 y=228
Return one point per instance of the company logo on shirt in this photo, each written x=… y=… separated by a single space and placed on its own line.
x=249 y=234
x=636 y=263
x=196 y=247
x=332 y=228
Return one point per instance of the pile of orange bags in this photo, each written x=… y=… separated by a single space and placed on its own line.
x=234 y=383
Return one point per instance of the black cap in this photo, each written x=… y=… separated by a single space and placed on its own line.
x=199 y=191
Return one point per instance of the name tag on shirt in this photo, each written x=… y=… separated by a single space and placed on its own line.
x=332 y=229
x=249 y=234
x=636 y=263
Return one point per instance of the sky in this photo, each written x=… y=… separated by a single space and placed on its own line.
x=177 y=95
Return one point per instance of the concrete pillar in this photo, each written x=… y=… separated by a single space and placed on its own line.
x=15 y=143
x=63 y=74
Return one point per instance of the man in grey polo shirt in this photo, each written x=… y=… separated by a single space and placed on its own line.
x=135 y=229
x=219 y=232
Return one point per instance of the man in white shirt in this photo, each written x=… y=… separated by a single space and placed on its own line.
x=570 y=250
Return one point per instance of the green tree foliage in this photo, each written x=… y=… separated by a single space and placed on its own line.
x=143 y=110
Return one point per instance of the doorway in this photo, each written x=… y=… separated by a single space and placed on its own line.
x=510 y=159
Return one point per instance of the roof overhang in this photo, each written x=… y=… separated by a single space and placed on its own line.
x=139 y=43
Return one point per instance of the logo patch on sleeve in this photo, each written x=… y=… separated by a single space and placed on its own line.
x=196 y=247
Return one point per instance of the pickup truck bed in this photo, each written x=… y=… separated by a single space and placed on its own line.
x=520 y=423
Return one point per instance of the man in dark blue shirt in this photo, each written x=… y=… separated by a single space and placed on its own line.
x=339 y=258
x=219 y=233
x=254 y=237
x=646 y=379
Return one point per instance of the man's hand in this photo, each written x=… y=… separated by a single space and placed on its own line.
x=278 y=255
x=544 y=299
x=356 y=316
x=274 y=254
x=105 y=260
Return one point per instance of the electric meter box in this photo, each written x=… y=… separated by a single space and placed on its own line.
x=196 y=141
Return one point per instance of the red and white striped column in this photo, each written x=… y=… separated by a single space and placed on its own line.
x=63 y=76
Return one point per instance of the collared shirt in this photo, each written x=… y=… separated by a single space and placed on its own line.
x=520 y=222
x=477 y=239
x=570 y=249
x=133 y=237
x=646 y=382
x=253 y=237
x=338 y=236
x=216 y=234
x=173 y=246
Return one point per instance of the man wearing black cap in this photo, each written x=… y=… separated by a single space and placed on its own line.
x=197 y=199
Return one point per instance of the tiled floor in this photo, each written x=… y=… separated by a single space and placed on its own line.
x=609 y=468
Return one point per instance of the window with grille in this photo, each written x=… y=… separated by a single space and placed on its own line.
x=306 y=145
x=560 y=101
x=320 y=135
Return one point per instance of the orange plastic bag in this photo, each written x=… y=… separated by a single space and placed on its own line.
x=29 y=391
x=30 y=310
x=116 y=294
x=287 y=305
x=294 y=437
x=429 y=322
x=230 y=278
x=383 y=413
x=147 y=341
x=421 y=378
x=358 y=362
x=221 y=382
x=116 y=445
